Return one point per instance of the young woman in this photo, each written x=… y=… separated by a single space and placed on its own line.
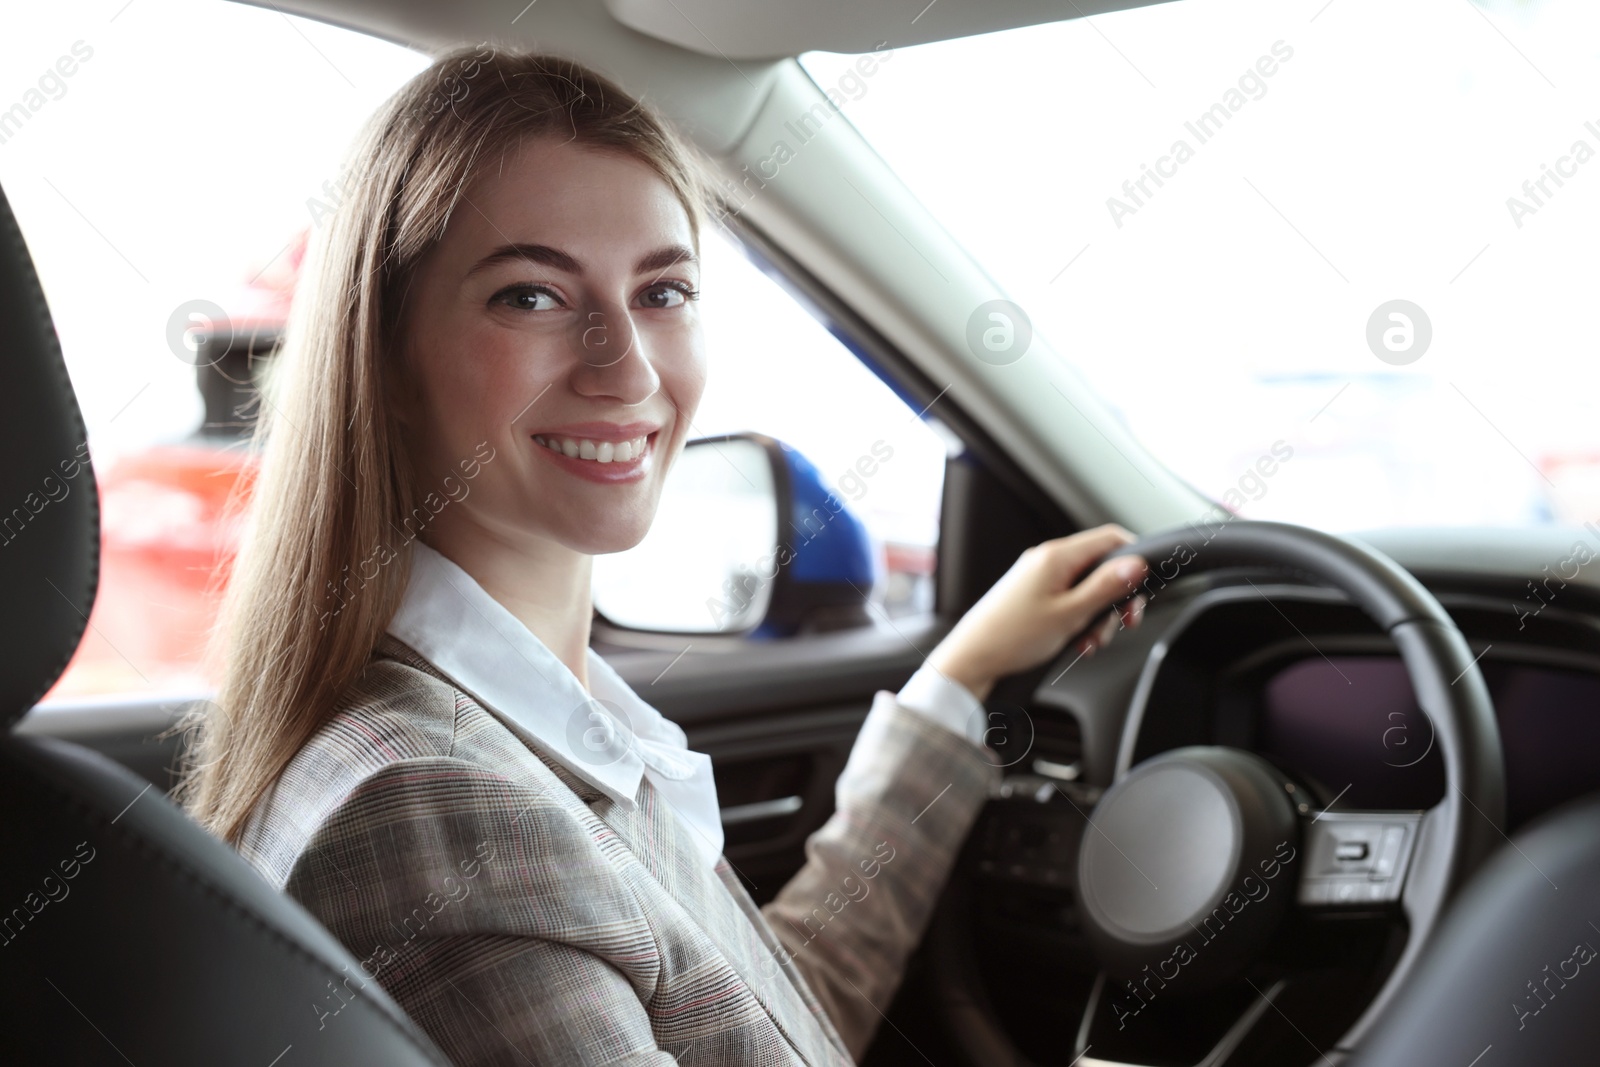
x=492 y=368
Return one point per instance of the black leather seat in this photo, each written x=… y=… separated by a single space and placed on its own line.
x=127 y=933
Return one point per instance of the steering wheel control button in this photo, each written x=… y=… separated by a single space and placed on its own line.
x=1389 y=852
x=1187 y=865
x=1356 y=857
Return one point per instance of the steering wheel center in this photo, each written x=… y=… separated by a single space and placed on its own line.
x=1185 y=868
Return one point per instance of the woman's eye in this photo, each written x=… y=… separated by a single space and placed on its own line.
x=666 y=296
x=527 y=298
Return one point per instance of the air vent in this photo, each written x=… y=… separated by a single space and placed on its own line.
x=1057 y=745
x=1043 y=741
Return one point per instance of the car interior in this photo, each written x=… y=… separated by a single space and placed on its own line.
x=1399 y=766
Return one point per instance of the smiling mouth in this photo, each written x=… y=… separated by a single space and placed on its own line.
x=584 y=448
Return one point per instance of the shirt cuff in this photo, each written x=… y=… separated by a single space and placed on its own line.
x=948 y=703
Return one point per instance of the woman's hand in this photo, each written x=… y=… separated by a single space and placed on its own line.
x=1027 y=616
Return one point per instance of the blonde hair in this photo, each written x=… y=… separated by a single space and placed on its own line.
x=336 y=486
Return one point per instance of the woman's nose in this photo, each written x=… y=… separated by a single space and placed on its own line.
x=612 y=356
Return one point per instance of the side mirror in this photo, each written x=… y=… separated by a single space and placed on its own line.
x=748 y=539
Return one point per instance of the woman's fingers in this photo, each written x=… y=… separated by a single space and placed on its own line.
x=1114 y=580
x=1071 y=556
x=1056 y=589
x=1123 y=618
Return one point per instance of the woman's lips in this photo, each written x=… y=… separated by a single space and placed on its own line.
x=600 y=449
x=608 y=472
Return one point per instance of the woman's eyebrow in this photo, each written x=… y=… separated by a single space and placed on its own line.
x=550 y=257
x=661 y=259
x=665 y=259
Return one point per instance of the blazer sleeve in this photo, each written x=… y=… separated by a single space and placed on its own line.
x=485 y=909
x=851 y=917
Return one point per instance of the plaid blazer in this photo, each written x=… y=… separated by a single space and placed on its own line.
x=521 y=917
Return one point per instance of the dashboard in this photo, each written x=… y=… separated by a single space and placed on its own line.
x=1352 y=722
x=1299 y=675
x=1295 y=672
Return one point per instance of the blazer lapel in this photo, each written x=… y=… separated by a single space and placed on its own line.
x=660 y=842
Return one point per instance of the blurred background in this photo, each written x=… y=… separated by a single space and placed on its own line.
x=167 y=186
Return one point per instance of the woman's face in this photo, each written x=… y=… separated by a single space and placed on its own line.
x=556 y=321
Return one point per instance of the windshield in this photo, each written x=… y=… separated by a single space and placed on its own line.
x=1358 y=237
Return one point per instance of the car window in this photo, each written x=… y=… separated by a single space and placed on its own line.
x=776 y=368
x=1355 y=237
x=166 y=163
x=161 y=160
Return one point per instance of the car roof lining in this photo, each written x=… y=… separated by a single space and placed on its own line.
x=713 y=91
x=767 y=29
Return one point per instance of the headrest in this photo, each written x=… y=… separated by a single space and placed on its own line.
x=49 y=507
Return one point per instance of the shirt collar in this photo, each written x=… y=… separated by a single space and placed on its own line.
x=608 y=736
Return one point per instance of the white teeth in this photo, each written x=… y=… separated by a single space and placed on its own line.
x=597 y=451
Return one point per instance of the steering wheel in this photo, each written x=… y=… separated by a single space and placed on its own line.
x=1179 y=861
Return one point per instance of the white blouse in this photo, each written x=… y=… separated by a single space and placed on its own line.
x=608 y=735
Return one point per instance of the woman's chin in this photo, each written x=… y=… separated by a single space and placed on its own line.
x=601 y=540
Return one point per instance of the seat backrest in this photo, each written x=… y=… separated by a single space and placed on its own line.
x=1513 y=976
x=128 y=933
